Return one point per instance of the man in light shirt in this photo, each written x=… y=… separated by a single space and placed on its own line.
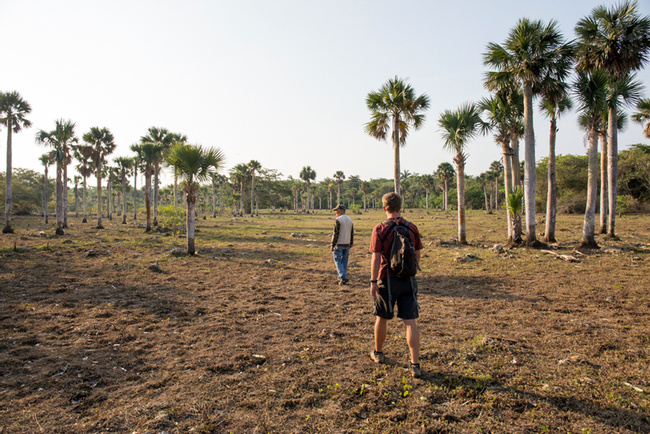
x=342 y=241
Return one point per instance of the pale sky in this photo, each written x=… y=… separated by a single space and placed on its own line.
x=283 y=82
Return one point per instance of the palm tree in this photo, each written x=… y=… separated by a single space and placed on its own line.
x=254 y=167
x=13 y=109
x=590 y=90
x=427 y=181
x=555 y=101
x=163 y=140
x=496 y=167
x=338 y=179
x=125 y=165
x=484 y=181
x=458 y=127
x=239 y=176
x=307 y=174
x=103 y=144
x=328 y=183
x=46 y=160
x=193 y=164
x=395 y=106
x=445 y=172
x=364 y=187
x=76 y=180
x=83 y=154
x=145 y=158
x=137 y=162
x=532 y=52
x=615 y=40
x=60 y=139
x=643 y=115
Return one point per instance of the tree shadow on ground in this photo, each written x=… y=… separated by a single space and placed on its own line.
x=469 y=287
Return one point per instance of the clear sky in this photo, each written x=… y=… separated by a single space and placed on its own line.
x=283 y=82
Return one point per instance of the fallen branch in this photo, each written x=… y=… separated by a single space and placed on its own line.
x=566 y=258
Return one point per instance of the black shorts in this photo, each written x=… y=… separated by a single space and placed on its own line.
x=404 y=292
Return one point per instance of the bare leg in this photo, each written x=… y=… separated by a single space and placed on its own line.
x=413 y=339
x=381 y=327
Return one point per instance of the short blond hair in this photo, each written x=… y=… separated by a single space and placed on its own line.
x=392 y=202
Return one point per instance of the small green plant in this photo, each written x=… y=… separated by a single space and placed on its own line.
x=172 y=217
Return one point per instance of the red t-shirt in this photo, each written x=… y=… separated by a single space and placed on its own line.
x=384 y=232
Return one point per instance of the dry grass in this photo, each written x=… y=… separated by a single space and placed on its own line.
x=254 y=335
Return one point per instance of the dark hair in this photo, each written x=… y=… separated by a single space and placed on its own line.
x=392 y=202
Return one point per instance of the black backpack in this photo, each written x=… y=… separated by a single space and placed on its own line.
x=402 y=261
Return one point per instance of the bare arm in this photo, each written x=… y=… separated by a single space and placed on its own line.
x=375 y=262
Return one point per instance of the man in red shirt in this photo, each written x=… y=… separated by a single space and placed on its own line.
x=400 y=291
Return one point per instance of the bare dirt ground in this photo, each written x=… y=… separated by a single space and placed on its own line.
x=253 y=335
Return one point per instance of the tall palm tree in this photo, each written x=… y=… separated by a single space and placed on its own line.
x=307 y=174
x=83 y=154
x=484 y=181
x=532 y=52
x=496 y=167
x=60 y=139
x=239 y=176
x=103 y=144
x=458 y=127
x=125 y=165
x=338 y=179
x=163 y=140
x=46 y=160
x=254 y=167
x=615 y=40
x=137 y=162
x=328 y=183
x=13 y=109
x=555 y=101
x=426 y=181
x=643 y=115
x=445 y=172
x=396 y=107
x=590 y=90
x=146 y=157
x=364 y=187
x=193 y=164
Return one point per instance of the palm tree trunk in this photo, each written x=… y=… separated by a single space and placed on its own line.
x=507 y=178
x=123 y=198
x=515 y=161
x=59 y=199
x=252 y=193
x=76 y=200
x=460 y=173
x=530 y=177
x=589 y=225
x=147 y=200
x=191 y=207
x=603 y=183
x=612 y=169
x=8 y=199
x=446 y=201
x=46 y=198
x=98 y=175
x=214 y=200
x=155 y=194
x=83 y=199
x=135 y=191
x=551 y=197
x=65 y=195
x=396 y=166
x=485 y=197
